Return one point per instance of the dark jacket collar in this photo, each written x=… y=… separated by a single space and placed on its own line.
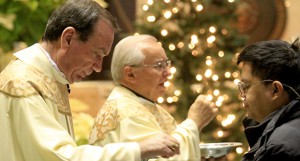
x=255 y=131
x=137 y=94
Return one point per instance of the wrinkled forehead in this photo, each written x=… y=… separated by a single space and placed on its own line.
x=151 y=48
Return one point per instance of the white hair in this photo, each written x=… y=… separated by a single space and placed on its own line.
x=128 y=52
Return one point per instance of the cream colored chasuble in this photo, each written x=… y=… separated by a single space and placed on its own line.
x=127 y=117
x=35 y=117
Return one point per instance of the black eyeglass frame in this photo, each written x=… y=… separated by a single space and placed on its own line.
x=243 y=87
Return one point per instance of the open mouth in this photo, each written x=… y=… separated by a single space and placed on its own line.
x=162 y=84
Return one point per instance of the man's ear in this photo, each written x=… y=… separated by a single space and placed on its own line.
x=277 y=89
x=66 y=37
x=129 y=74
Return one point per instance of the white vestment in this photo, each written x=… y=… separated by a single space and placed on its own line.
x=126 y=117
x=35 y=117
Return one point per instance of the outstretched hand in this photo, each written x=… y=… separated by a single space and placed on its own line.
x=202 y=111
x=160 y=145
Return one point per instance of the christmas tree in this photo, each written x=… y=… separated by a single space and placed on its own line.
x=202 y=40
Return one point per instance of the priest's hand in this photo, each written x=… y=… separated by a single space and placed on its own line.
x=160 y=145
x=202 y=111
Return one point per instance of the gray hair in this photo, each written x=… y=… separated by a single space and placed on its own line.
x=128 y=52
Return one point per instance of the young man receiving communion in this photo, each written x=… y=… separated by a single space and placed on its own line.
x=270 y=87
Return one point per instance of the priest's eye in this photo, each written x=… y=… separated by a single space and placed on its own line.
x=99 y=55
x=163 y=65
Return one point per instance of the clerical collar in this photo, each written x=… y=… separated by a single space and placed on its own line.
x=53 y=64
x=137 y=94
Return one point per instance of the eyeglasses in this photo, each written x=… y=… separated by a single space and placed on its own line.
x=243 y=87
x=161 y=65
